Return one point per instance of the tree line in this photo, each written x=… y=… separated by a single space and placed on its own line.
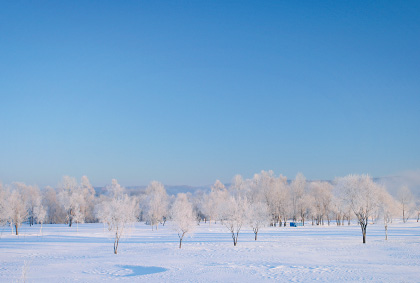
x=263 y=200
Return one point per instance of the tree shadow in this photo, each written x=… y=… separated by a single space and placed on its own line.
x=142 y=270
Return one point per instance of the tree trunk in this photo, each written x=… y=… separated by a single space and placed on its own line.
x=180 y=239
x=404 y=220
x=386 y=232
x=116 y=243
x=235 y=238
x=364 y=226
x=16 y=228
x=256 y=233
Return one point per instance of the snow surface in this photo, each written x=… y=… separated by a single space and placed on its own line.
x=301 y=254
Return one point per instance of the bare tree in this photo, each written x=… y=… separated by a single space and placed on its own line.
x=182 y=216
x=361 y=193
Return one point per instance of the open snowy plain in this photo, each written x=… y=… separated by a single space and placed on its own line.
x=301 y=254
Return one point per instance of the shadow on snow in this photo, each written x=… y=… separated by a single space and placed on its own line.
x=141 y=270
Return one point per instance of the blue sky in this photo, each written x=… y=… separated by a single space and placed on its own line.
x=187 y=92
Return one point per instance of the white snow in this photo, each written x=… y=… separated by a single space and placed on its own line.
x=296 y=254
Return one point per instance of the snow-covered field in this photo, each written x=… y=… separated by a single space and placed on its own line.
x=325 y=253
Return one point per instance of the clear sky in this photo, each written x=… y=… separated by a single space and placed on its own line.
x=187 y=92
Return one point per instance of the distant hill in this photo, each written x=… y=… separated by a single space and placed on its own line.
x=392 y=183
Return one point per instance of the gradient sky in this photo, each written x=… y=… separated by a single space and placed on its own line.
x=187 y=92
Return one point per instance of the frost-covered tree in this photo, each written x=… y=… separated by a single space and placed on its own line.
x=117 y=211
x=67 y=197
x=78 y=216
x=18 y=208
x=304 y=205
x=337 y=209
x=341 y=207
x=234 y=209
x=87 y=206
x=212 y=206
x=39 y=213
x=77 y=200
x=55 y=211
x=182 y=216
x=257 y=216
x=198 y=204
x=387 y=208
x=297 y=190
x=317 y=206
x=405 y=197
x=361 y=193
x=284 y=198
x=31 y=195
x=234 y=215
x=275 y=192
x=5 y=211
x=238 y=187
x=156 y=203
x=322 y=197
